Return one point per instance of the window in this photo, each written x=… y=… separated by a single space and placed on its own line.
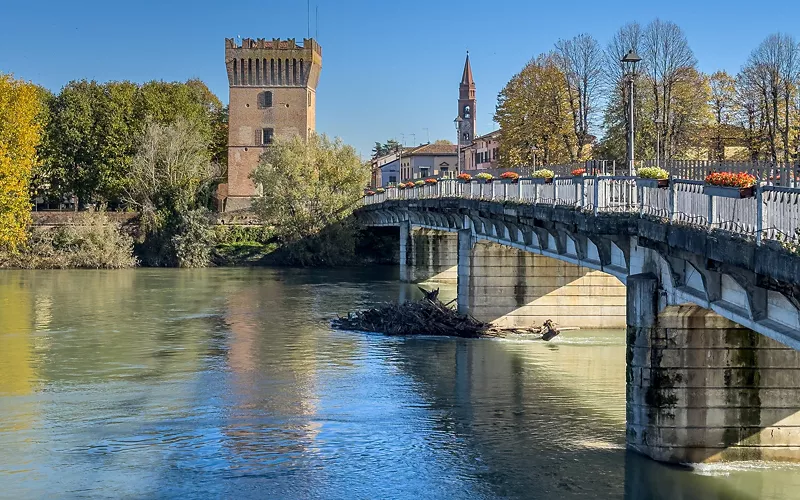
x=267 y=135
x=465 y=136
x=467 y=111
x=392 y=179
x=265 y=99
x=494 y=154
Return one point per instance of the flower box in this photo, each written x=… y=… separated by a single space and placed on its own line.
x=652 y=183
x=541 y=180
x=464 y=181
x=577 y=179
x=510 y=181
x=728 y=192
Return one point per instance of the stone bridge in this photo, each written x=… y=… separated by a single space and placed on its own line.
x=712 y=317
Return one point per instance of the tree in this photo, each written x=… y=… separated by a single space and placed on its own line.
x=169 y=178
x=533 y=112
x=443 y=142
x=723 y=101
x=581 y=62
x=20 y=133
x=772 y=72
x=308 y=185
x=386 y=148
x=94 y=131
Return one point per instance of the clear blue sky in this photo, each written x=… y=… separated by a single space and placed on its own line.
x=389 y=68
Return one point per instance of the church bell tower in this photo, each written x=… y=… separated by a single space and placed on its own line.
x=466 y=106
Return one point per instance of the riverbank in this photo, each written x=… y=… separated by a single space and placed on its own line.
x=115 y=240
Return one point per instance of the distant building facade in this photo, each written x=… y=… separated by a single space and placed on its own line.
x=273 y=86
x=483 y=153
x=429 y=160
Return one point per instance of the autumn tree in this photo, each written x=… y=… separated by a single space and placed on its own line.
x=20 y=129
x=534 y=113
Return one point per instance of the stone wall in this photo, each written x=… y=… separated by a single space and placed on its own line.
x=512 y=287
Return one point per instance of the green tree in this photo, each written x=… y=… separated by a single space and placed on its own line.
x=168 y=182
x=308 y=185
x=20 y=129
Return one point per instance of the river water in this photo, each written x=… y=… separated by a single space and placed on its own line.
x=229 y=383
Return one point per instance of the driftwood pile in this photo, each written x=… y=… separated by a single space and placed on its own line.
x=429 y=316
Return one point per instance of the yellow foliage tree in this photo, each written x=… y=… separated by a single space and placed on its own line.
x=20 y=133
x=533 y=112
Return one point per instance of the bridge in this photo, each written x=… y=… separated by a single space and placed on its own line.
x=707 y=285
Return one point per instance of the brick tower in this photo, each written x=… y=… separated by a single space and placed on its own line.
x=273 y=86
x=466 y=106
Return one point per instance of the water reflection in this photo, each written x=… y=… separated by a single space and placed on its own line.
x=229 y=383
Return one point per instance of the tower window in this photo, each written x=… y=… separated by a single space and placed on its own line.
x=265 y=99
x=467 y=111
x=267 y=136
x=465 y=136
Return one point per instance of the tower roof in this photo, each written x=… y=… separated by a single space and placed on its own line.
x=466 y=78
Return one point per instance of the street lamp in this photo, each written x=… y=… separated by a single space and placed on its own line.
x=629 y=65
x=457 y=123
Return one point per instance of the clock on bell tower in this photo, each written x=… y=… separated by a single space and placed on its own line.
x=466 y=106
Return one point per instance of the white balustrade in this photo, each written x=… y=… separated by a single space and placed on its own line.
x=773 y=214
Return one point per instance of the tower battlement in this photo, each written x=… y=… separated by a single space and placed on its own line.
x=261 y=62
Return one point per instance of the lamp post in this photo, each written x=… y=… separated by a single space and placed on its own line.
x=629 y=65
x=457 y=122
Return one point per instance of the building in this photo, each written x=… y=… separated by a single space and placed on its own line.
x=429 y=160
x=386 y=169
x=483 y=153
x=272 y=87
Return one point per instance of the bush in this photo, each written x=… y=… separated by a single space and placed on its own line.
x=380 y=190
x=193 y=240
x=484 y=176
x=431 y=181
x=419 y=183
x=92 y=241
x=464 y=177
x=730 y=179
x=233 y=235
x=543 y=174
x=578 y=172
x=410 y=184
x=652 y=173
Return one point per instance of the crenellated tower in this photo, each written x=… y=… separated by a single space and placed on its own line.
x=273 y=86
x=466 y=106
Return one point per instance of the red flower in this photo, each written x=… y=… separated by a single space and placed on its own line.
x=464 y=177
x=509 y=175
x=578 y=171
x=731 y=179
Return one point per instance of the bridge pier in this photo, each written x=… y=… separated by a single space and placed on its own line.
x=701 y=388
x=427 y=254
x=511 y=287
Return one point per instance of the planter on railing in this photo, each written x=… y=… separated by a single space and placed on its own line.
x=729 y=191
x=541 y=180
x=652 y=183
x=577 y=175
x=509 y=177
x=542 y=176
x=730 y=185
x=484 y=177
x=464 y=178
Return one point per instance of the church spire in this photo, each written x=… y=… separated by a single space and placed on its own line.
x=466 y=78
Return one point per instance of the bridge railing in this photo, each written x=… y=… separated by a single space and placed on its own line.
x=773 y=213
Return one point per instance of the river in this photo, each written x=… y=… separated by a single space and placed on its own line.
x=229 y=383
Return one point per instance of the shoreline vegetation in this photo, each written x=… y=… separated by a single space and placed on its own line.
x=159 y=150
